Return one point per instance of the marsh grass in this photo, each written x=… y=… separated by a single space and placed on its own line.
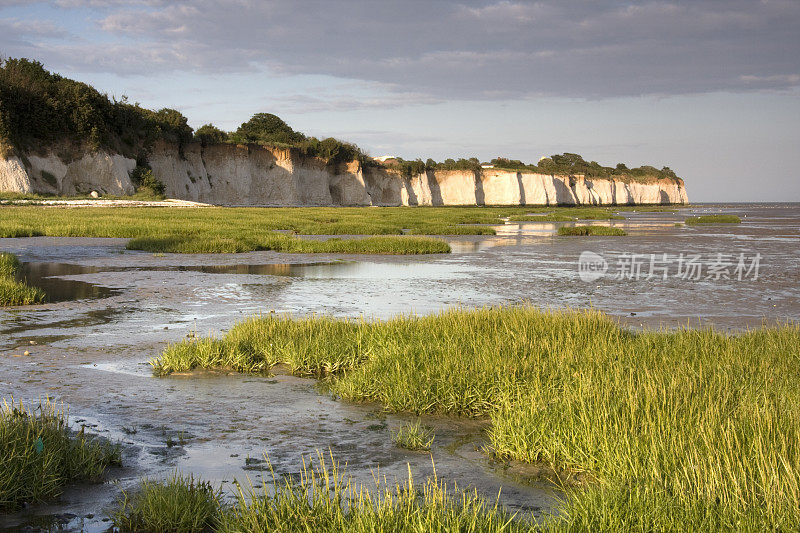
x=384 y=245
x=39 y=454
x=675 y=430
x=12 y=290
x=413 y=436
x=566 y=214
x=590 y=230
x=231 y=230
x=323 y=498
x=180 y=504
x=713 y=219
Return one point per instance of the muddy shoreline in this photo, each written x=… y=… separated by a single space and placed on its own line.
x=92 y=353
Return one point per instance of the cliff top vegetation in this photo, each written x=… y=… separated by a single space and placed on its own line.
x=40 y=109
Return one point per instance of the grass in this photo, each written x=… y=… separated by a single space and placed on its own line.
x=666 y=430
x=179 y=504
x=713 y=219
x=324 y=499
x=231 y=230
x=590 y=230
x=39 y=455
x=567 y=214
x=13 y=291
x=413 y=436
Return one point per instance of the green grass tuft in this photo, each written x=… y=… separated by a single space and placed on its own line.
x=39 y=455
x=590 y=230
x=178 y=504
x=413 y=436
x=324 y=499
x=671 y=430
x=13 y=291
x=713 y=219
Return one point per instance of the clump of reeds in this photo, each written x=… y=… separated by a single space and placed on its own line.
x=177 y=504
x=323 y=499
x=591 y=230
x=12 y=290
x=39 y=454
x=713 y=219
x=413 y=436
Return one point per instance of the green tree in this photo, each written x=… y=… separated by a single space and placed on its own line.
x=210 y=134
x=268 y=128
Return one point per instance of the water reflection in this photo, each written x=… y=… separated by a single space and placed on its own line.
x=46 y=276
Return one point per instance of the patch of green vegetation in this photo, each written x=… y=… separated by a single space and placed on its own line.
x=441 y=229
x=713 y=219
x=591 y=230
x=672 y=430
x=12 y=290
x=568 y=214
x=388 y=245
x=413 y=436
x=568 y=164
x=324 y=499
x=147 y=185
x=41 y=108
x=210 y=134
x=177 y=504
x=39 y=455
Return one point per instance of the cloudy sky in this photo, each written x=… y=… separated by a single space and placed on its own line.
x=710 y=88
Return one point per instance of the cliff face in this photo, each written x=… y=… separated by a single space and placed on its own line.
x=254 y=175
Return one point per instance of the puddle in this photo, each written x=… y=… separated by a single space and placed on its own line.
x=50 y=278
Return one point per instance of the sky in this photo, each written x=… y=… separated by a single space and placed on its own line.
x=710 y=88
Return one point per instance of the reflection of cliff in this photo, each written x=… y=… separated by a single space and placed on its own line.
x=229 y=174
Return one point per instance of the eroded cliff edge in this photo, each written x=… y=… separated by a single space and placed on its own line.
x=230 y=174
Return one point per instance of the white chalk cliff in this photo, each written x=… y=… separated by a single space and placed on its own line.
x=228 y=174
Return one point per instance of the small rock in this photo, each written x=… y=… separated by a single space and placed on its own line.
x=94 y=194
x=26 y=353
x=32 y=343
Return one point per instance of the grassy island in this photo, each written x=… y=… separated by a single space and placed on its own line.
x=656 y=430
x=713 y=219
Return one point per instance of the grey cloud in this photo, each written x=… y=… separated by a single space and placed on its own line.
x=25 y=31
x=465 y=49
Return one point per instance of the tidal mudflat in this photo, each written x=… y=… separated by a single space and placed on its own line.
x=119 y=308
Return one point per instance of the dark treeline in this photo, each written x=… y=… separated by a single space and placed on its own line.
x=39 y=108
x=568 y=164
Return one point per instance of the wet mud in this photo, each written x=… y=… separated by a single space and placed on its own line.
x=115 y=309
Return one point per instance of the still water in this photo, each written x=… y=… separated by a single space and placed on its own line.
x=111 y=310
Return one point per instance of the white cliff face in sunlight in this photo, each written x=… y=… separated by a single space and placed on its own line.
x=229 y=174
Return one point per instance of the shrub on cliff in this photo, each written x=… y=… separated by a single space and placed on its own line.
x=146 y=183
x=267 y=128
x=210 y=134
x=568 y=164
x=40 y=108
